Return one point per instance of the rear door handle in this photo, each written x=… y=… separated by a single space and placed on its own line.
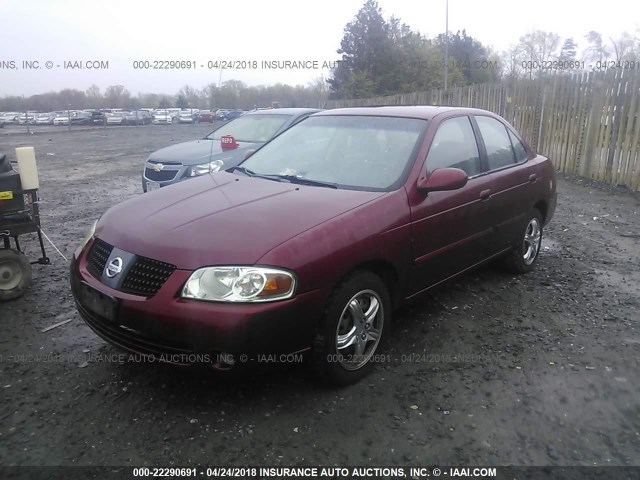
x=533 y=177
x=485 y=194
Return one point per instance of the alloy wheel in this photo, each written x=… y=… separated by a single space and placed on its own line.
x=532 y=238
x=359 y=329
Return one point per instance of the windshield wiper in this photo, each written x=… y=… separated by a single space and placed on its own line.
x=305 y=181
x=251 y=173
x=244 y=170
x=278 y=178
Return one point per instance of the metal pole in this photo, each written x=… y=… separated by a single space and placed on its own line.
x=69 y=116
x=26 y=116
x=219 y=89
x=446 y=46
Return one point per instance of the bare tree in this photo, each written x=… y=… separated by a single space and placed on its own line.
x=117 y=96
x=319 y=88
x=192 y=96
x=512 y=61
x=623 y=47
x=94 y=97
x=597 y=51
x=539 y=47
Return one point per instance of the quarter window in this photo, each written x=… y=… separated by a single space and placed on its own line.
x=518 y=148
x=496 y=140
x=454 y=146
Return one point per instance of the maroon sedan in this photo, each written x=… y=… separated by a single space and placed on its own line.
x=313 y=240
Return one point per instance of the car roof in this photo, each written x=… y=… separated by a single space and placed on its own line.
x=284 y=111
x=426 y=112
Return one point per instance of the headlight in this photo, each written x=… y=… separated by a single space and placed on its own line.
x=89 y=234
x=239 y=284
x=205 y=168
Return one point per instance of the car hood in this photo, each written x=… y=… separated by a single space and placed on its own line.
x=201 y=151
x=221 y=219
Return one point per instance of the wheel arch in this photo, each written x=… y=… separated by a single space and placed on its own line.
x=543 y=208
x=383 y=269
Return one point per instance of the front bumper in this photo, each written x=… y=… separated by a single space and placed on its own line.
x=179 y=331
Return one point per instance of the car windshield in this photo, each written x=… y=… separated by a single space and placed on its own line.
x=353 y=152
x=251 y=128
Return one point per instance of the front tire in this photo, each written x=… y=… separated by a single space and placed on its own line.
x=15 y=274
x=351 y=331
x=524 y=256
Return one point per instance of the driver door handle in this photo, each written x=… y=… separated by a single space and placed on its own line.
x=485 y=194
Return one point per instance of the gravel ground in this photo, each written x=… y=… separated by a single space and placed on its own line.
x=541 y=369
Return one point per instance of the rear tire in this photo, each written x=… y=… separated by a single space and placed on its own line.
x=352 y=329
x=524 y=256
x=15 y=274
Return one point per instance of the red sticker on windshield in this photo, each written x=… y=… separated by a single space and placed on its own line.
x=227 y=141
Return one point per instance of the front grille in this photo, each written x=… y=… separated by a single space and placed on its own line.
x=98 y=256
x=146 y=276
x=161 y=176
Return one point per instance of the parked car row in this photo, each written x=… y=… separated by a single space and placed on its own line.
x=9 y=118
x=117 y=116
x=61 y=117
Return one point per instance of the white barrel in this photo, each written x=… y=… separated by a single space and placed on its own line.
x=28 y=169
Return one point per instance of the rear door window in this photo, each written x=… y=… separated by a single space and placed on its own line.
x=496 y=140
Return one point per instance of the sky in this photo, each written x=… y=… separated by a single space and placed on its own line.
x=114 y=34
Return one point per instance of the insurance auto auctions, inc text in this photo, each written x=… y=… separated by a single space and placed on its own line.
x=348 y=472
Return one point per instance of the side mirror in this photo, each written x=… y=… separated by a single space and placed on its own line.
x=443 y=179
x=248 y=153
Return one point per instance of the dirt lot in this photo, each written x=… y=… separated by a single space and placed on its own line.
x=542 y=369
